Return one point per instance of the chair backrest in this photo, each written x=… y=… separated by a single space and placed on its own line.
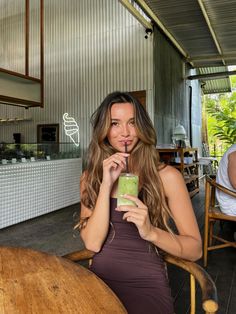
x=212 y=215
x=197 y=273
x=211 y=187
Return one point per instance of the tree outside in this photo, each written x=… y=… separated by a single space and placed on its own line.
x=219 y=118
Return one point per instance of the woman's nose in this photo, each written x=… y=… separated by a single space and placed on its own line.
x=125 y=130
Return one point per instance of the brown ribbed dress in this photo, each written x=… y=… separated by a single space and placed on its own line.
x=132 y=269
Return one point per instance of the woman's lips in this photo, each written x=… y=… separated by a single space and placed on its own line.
x=128 y=142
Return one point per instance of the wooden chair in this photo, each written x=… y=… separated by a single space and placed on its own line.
x=213 y=214
x=208 y=288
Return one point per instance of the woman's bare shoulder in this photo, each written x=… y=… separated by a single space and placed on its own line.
x=173 y=182
x=169 y=173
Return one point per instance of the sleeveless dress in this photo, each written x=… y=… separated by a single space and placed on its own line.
x=132 y=269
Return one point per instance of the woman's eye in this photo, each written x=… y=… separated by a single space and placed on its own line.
x=114 y=123
x=132 y=122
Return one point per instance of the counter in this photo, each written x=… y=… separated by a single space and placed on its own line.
x=31 y=189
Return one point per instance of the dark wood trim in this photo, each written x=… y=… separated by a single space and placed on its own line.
x=19 y=101
x=27 y=37
x=42 y=51
x=22 y=102
x=17 y=105
x=141 y=96
x=27 y=77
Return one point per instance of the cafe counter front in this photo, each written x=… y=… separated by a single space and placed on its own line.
x=33 y=188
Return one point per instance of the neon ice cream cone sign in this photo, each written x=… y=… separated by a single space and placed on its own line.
x=71 y=128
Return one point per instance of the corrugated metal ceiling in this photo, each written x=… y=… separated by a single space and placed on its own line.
x=205 y=29
x=221 y=85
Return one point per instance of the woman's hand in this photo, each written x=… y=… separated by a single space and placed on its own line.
x=138 y=215
x=112 y=167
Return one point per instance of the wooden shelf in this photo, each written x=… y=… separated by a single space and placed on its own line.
x=190 y=171
x=178 y=166
x=184 y=150
x=191 y=179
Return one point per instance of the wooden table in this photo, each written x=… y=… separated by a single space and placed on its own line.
x=38 y=283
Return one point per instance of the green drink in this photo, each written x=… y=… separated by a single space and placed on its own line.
x=127 y=184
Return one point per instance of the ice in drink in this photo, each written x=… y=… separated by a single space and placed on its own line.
x=127 y=184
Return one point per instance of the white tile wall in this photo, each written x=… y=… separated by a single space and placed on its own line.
x=36 y=188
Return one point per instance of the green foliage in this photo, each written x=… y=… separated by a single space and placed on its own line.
x=233 y=81
x=221 y=119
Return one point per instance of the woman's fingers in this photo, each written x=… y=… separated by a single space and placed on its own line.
x=137 y=214
x=113 y=166
x=115 y=160
x=133 y=215
x=135 y=199
x=118 y=162
x=117 y=156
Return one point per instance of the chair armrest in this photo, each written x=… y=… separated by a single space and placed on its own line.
x=209 y=293
x=208 y=288
x=221 y=187
x=81 y=255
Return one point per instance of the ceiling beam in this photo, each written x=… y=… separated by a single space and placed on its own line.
x=155 y=19
x=211 y=76
x=136 y=14
x=211 y=28
x=231 y=56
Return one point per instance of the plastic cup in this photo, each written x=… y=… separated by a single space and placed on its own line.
x=127 y=184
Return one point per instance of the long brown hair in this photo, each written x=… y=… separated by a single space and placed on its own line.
x=144 y=159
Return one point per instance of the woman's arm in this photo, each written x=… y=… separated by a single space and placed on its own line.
x=187 y=244
x=232 y=169
x=95 y=231
x=96 y=228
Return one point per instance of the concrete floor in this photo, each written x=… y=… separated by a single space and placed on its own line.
x=52 y=233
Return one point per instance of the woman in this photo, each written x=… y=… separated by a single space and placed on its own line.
x=128 y=239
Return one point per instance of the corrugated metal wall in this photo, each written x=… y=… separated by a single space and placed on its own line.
x=92 y=47
x=172 y=93
x=170 y=89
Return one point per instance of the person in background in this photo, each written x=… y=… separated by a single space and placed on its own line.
x=226 y=176
x=129 y=240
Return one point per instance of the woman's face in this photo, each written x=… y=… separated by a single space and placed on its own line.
x=122 y=130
